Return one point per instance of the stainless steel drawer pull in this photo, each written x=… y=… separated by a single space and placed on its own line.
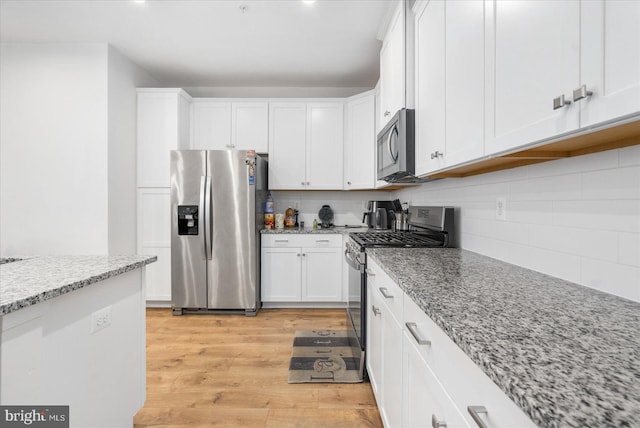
x=435 y=423
x=370 y=272
x=560 y=102
x=376 y=311
x=322 y=240
x=385 y=293
x=475 y=412
x=413 y=329
x=581 y=92
x=282 y=240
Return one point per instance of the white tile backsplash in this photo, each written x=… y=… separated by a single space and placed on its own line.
x=576 y=218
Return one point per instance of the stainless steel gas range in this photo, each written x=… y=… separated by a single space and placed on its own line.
x=428 y=227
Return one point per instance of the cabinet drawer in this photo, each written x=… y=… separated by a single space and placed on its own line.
x=465 y=382
x=302 y=240
x=387 y=289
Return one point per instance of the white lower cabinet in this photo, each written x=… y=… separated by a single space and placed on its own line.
x=419 y=376
x=301 y=268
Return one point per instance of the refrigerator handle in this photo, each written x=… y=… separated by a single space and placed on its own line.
x=208 y=233
x=202 y=218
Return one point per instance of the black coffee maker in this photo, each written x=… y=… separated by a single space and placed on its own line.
x=379 y=214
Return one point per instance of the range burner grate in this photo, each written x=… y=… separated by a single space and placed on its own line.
x=396 y=239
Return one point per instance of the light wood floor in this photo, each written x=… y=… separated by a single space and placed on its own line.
x=231 y=370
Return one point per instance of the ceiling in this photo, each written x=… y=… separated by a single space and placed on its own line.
x=325 y=43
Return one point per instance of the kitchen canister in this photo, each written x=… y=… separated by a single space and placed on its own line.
x=279 y=221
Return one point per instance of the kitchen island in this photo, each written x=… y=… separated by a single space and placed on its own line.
x=567 y=355
x=72 y=332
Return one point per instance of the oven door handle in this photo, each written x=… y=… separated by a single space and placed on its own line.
x=353 y=263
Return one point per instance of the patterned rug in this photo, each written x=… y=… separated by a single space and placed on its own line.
x=325 y=356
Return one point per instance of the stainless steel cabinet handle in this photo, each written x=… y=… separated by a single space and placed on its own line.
x=307 y=183
x=304 y=255
x=376 y=311
x=385 y=293
x=282 y=240
x=302 y=183
x=322 y=240
x=370 y=272
x=436 y=155
x=475 y=412
x=413 y=329
x=386 y=113
x=581 y=92
x=435 y=423
x=560 y=102
x=298 y=254
x=349 y=183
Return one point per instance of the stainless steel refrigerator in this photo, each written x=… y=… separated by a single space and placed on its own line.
x=217 y=210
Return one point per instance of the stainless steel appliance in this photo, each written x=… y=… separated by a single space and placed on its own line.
x=379 y=214
x=396 y=150
x=217 y=210
x=428 y=227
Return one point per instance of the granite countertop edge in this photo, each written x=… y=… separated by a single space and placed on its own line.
x=75 y=284
x=536 y=404
x=338 y=230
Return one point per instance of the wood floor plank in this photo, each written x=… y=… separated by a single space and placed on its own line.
x=231 y=370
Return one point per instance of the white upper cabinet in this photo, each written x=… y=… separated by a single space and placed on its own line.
x=306 y=146
x=533 y=62
x=392 y=67
x=449 y=82
x=220 y=125
x=163 y=125
x=359 y=143
x=430 y=103
x=287 y=141
x=211 y=125
x=610 y=60
x=325 y=134
x=250 y=126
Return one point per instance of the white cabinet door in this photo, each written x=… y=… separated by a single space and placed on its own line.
x=211 y=125
x=610 y=60
x=154 y=238
x=250 y=126
x=287 y=146
x=374 y=338
x=464 y=29
x=162 y=122
x=392 y=369
x=424 y=398
x=430 y=103
x=392 y=68
x=321 y=275
x=360 y=143
x=533 y=56
x=324 y=161
x=281 y=274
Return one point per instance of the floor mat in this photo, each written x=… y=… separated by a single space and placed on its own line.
x=325 y=356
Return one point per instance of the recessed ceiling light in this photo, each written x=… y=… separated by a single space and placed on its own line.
x=308 y=1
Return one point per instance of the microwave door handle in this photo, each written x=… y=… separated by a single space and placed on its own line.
x=391 y=132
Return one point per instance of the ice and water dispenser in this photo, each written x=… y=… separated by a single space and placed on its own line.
x=187 y=219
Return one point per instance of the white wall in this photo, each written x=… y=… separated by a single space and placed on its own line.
x=123 y=78
x=577 y=218
x=53 y=149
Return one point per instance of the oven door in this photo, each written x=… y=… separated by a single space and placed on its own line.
x=357 y=294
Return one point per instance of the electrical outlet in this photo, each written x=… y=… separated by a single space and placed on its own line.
x=501 y=208
x=100 y=319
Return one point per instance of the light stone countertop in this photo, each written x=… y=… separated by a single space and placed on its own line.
x=568 y=355
x=25 y=282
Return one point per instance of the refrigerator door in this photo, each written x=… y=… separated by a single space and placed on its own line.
x=233 y=274
x=188 y=229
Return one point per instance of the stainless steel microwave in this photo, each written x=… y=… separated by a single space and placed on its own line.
x=396 y=148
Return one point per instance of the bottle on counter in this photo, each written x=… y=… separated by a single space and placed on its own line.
x=315 y=224
x=289 y=219
x=269 y=219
